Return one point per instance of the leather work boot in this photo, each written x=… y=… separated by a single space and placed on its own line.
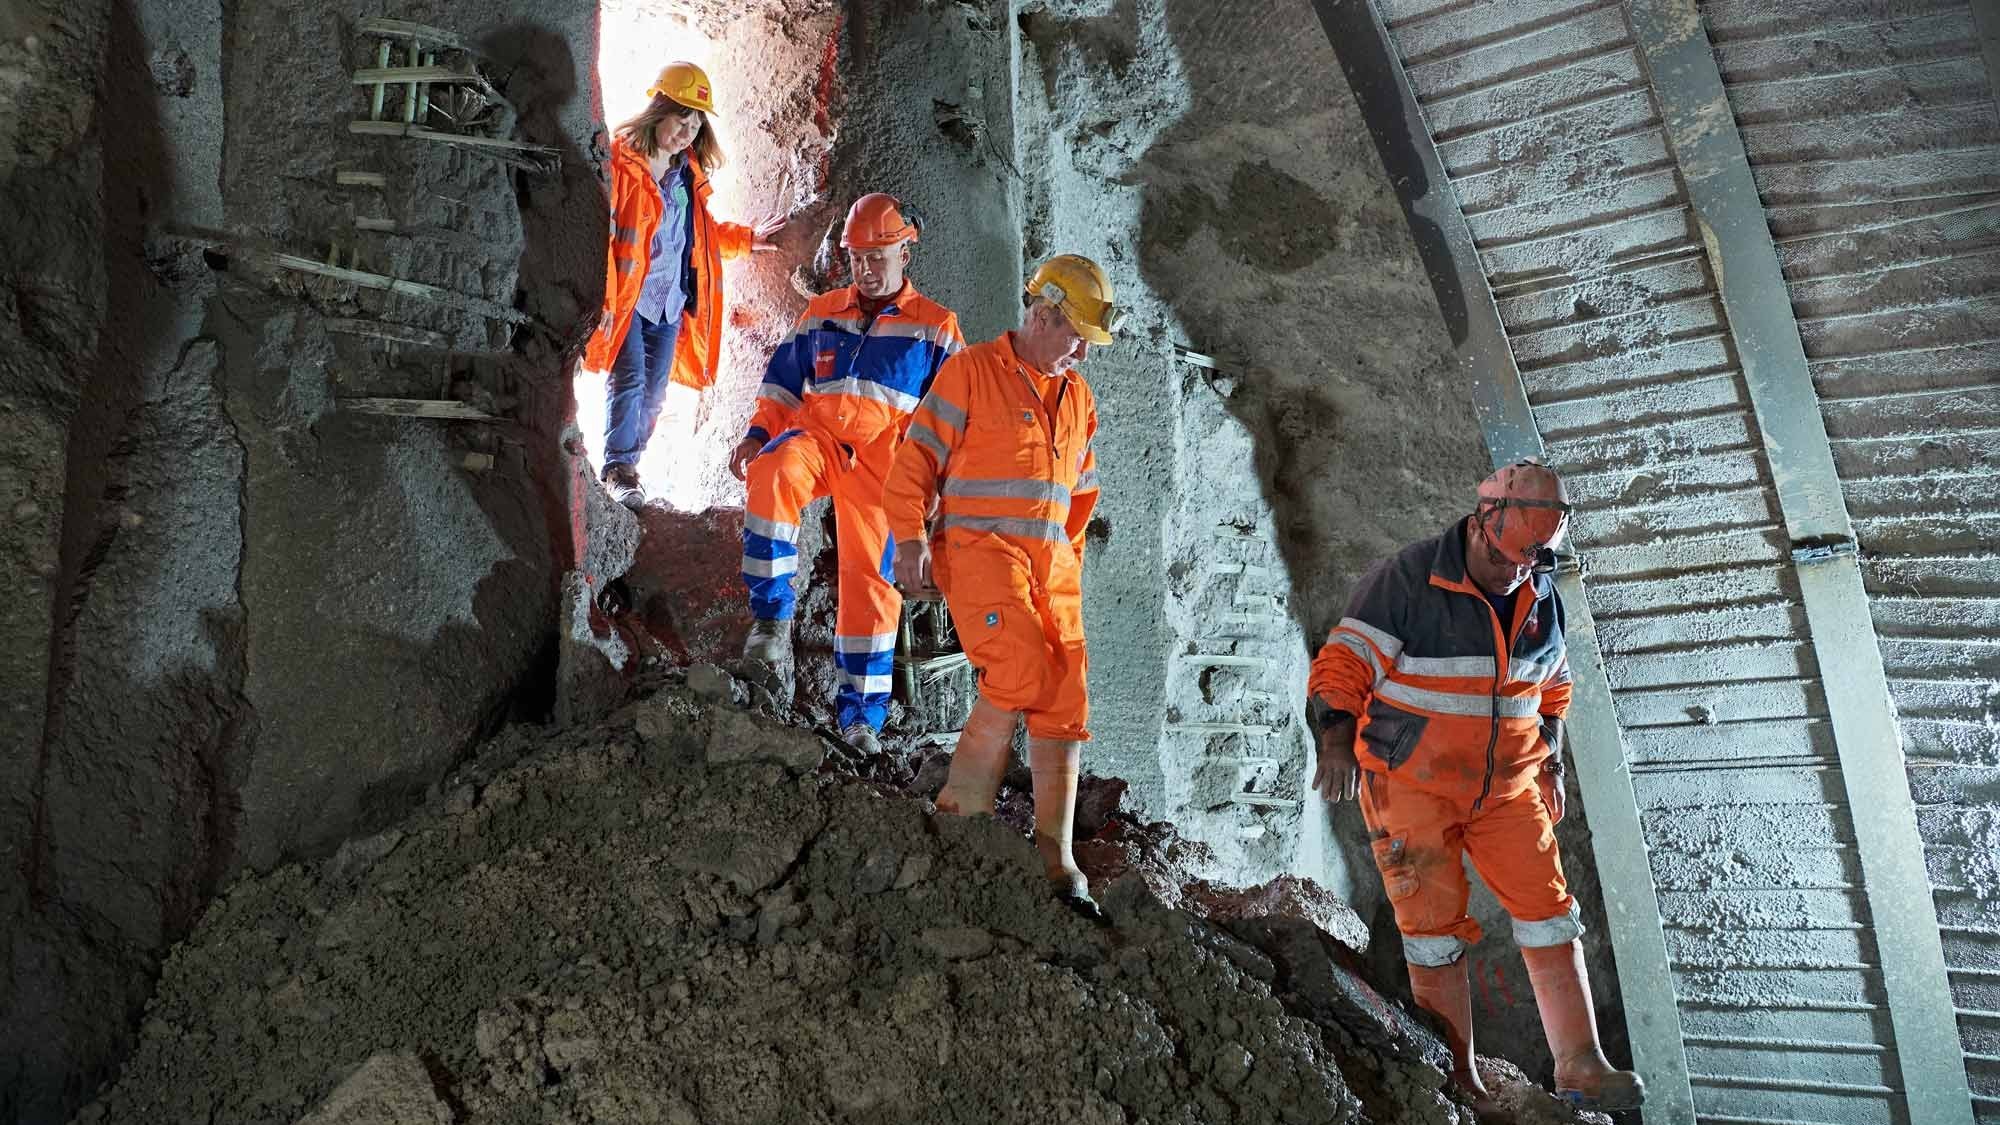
x=1445 y=991
x=1055 y=764
x=769 y=641
x=622 y=482
x=1562 y=991
x=862 y=737
x=978 y=761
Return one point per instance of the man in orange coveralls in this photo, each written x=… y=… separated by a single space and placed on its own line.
x=1451 y=662
x=1002 y=444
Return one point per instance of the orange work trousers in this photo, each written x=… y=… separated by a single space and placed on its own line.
x=1420 y=841
x=1018 y=609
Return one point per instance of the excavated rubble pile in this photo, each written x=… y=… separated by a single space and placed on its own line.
x=697 y=912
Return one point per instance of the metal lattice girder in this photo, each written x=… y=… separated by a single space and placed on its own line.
x=1709 y=152
x=1444 y=242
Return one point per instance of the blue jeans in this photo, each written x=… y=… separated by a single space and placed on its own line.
x=639 y=378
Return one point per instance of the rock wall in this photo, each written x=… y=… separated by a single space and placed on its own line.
x=259 y=621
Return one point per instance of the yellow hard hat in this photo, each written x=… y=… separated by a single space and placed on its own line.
x=685 y=83
x=1080 y=288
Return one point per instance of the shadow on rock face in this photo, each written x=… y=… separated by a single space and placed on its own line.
x=1279 y=244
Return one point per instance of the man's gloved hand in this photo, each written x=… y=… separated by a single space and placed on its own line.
x=1336 y=775
x=913 y=567
x=740 y=458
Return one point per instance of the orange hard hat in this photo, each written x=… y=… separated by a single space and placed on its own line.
x=685 y=83
x=876 y=220
x=1523 y=512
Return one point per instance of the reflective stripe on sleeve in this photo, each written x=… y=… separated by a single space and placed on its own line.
x=1390 y=646
x=1362 y=649
x=1086 y=481
x=946 y=410
x=925 y=436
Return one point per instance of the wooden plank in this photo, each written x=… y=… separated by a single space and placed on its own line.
x=444 y=410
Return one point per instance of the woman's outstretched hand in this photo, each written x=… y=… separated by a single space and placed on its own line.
x=765 y=234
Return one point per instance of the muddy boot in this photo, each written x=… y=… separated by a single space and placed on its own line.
x=1055 y=764
x=978 y=761
x=1562 y=991
x=622 y=482
x=770 y=642
x=862 y=737
x=1445 y=991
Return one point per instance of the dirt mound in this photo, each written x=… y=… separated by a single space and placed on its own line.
x=690 y=913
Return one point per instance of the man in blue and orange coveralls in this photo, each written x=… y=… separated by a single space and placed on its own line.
x=1441 y=697
x=835 y=401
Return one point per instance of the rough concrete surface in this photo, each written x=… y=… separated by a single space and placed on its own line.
x=671 y=917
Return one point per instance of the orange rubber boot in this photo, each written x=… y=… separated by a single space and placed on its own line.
x=1562 y=991
x=978 y=761
x=1056 y=764
x=1446 y=992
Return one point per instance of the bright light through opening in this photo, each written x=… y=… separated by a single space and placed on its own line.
x=635 y=39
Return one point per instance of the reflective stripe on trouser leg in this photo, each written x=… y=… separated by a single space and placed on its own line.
x=867 y=672
x=1559 y=930
x=781 y=483
x=868 y=605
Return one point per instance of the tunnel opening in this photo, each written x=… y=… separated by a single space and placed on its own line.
x=772 y=115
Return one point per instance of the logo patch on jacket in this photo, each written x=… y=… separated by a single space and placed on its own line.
x=992 y=620
x=823 y=364
x=1027 y=415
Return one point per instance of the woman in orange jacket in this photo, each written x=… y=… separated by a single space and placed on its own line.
x=662 y=319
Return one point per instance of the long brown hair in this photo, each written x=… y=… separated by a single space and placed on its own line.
x=642 y=132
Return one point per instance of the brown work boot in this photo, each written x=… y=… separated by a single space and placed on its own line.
x=978 y=761
x=1445 y=991
x=1562 y=991
x=622 y=482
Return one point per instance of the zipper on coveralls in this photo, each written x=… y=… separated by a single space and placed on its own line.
x=1493 y=719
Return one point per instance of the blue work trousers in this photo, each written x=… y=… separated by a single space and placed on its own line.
x=638 y=385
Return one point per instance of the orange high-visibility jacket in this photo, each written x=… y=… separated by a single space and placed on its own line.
x=987 y=443
x=854 y=379
x=1450 y=698
x=635 y=218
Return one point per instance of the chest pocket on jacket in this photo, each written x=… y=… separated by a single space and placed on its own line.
x=1392 y=734
x=1010 y=432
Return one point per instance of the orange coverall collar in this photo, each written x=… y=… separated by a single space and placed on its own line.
x=1007 y=345
x=851 y=298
